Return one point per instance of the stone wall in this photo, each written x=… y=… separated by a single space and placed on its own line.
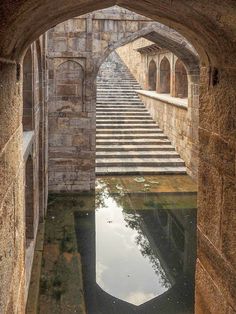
x=177 y=118
x=211 y=29
x=23 y=202
x=76 y=49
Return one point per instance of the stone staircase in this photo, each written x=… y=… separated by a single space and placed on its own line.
x=128 y=141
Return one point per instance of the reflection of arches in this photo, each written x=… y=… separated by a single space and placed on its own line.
x=70 y=80
x=165 y=76
x=29 y=199
x=28 y=91
x=152 y=75
x=181 y=80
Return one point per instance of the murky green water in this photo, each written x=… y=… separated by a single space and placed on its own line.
x=136 y=239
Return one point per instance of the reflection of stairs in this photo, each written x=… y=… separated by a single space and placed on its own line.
x=128 y=141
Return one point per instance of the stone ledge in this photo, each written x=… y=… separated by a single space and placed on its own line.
x=178 y=102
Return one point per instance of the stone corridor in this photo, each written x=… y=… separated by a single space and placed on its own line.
x=182 y=54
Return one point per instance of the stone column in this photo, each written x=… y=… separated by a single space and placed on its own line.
x=193 y=121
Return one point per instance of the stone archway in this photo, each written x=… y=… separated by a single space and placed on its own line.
x=152 y=75
x=213 y=36
x=164 y=76
x=181 y=80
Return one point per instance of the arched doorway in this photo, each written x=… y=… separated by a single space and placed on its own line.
x=216 y=56
x=152 y=75
x=181 y=80
x=164 y=76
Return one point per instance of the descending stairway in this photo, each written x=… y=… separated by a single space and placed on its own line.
x=128 y=141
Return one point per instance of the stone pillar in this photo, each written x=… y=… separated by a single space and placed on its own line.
x=193 y=121
x=12 y=225
x=215 y=276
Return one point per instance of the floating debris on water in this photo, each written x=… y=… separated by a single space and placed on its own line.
x=139 y=179
x=154 y=182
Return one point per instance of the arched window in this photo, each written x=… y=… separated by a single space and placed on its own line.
x=181 y=80
x=165 y=76
x=152 y=75
x=29 y=200
x=28 y=92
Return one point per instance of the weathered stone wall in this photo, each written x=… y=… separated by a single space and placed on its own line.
x=210 y=27
x=178 y=119
x=20 y=205
x=76 y=49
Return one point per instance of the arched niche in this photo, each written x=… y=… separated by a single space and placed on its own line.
x=28 y=91
x=181 y=80
x=152 y=75
x=29 y=200
x=70 y=81
x=164 y=76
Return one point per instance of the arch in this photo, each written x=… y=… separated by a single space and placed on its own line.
x=70 y=80
x=165 y=37
x=164 y=76
x=181 y=80
x=152 y=75
x=28 y=91
x=204 y=32
x=29 y=200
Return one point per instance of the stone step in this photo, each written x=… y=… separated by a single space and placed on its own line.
x=136 y=141
x=139 y=170
x=140 y=154
x=116 y=81
x=120 y=106
x=120 y=85
x=121 y=110
x=128 y=141
x=124 y=121
x=131 y=90
x=131 y=126
x=131 y=136
x=117 y=99
x=129 y=131
x=122 y=114
x=131 y=147
x=123 y=102
x=150 y=162
x=119 y=118
x=119 y=96
x=121 y=92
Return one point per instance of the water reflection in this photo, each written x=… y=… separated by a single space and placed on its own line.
x=125 y=263
x=141 y=257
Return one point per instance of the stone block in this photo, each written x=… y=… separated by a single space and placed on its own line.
x=208 y=298
x=210 y=184
x=66 y=90
x=217 y=151
x=228 y=222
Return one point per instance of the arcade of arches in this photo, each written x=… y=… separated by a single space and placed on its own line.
x=47 y=125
